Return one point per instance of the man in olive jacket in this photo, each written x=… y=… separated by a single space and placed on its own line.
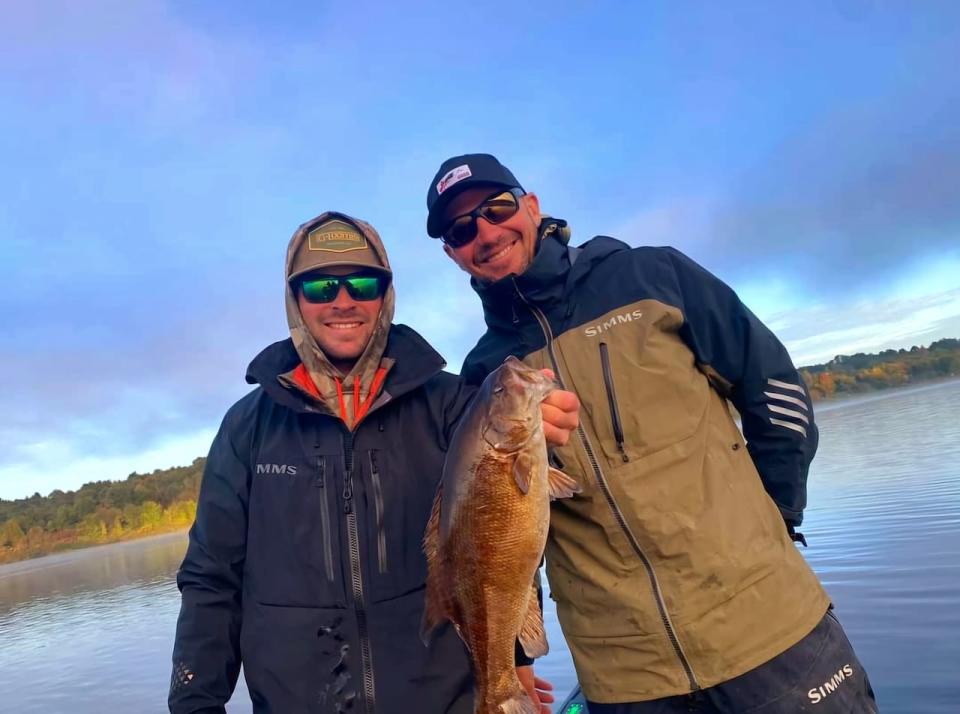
x=305 y=560
x=675 y=573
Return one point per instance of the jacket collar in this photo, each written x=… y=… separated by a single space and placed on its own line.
x=544 y=281
x=552 y=274
x=415 y=363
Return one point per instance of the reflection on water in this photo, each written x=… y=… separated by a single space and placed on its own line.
x=92 y=631
x=884 y=532
x=102 y=568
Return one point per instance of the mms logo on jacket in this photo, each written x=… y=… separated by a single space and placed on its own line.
x=276 y=469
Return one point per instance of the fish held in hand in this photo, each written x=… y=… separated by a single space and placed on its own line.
x=488 y=529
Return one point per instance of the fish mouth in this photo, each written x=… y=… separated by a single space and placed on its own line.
x=511 y=436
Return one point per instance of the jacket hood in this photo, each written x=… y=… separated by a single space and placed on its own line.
x=324 y=375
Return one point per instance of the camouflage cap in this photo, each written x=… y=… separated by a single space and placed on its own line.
x=334 y=242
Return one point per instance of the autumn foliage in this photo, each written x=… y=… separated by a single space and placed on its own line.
x=860 y=373
x=100 y=512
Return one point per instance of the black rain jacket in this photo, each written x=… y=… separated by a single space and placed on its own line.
x=305 y=560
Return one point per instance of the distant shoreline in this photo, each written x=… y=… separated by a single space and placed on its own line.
x=846 y=397
x=73 y=548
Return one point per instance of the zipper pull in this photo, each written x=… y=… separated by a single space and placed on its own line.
x=348 y=495
x=319 y=482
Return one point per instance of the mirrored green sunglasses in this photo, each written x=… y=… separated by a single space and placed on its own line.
x=325 y=288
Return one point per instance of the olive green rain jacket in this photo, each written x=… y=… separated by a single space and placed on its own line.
x=673 y=570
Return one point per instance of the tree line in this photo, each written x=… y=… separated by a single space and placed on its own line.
x=100 y=512
x=860 y=373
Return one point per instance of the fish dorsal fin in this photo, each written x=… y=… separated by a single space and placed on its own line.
x=523 y=471
x=437 y=607
x=561 y=485
x=532 y=636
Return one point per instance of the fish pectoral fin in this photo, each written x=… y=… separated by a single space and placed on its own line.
x=533 y=638
x=518 y=703
x=436 y=607
x=561 y=485
x=434 y=612
x=523 y=471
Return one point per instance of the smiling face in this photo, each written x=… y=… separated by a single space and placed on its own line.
x=342 y=327
x=498 y=250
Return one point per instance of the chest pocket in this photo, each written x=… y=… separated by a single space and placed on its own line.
x=637 y=381
x=398 y=498
x=293 y=531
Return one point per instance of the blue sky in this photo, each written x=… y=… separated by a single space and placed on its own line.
x=158 y=155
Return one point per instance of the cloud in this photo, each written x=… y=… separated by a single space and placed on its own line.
x=846 y=200
x=125 y=393
x=118 y=61
x=819 y=333
x=55 y=464
x=452 y=323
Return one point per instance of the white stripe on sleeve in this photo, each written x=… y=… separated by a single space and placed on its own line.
x=786 y=385
x=784 y=398
x=789 y=412
x=789 y=425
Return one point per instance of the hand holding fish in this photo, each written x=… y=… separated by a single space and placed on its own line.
x=539 y=690
x=561 y=414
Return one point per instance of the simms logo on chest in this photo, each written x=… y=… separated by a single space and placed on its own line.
x=817 y=694
x=276 y=469
x=602 y=327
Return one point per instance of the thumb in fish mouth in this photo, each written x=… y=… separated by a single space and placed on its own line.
x=552 y=376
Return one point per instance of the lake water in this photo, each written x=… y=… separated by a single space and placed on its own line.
x=92 y=631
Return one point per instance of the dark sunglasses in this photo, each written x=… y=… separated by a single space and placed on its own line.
x=359 y=287
x=494 y=209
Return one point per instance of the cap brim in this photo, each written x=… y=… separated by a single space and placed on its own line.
x=349 y=264
x=435 y=223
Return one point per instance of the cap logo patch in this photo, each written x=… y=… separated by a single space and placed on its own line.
x=335 y=237
x=453 y=176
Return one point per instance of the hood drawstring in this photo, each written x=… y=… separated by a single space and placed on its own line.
x=359 y=410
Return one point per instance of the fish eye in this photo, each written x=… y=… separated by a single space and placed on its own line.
x=497 y=390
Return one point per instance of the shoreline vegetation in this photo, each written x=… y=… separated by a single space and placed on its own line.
x=852 y=375
x=100 y=512
x=164 y=501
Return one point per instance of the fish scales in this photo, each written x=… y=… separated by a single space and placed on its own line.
x=502 y=544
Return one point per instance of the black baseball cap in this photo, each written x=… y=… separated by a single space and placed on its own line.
x=458 y=173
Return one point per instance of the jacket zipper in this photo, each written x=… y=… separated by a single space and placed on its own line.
x=356 y=577
x=612 y=504
x=378 y=501
x=612 y=401
x=320 y=483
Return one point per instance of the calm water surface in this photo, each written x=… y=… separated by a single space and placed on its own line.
x=92 y=631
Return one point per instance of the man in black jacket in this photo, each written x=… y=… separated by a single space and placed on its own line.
x=677 y=584
x=305 y=560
